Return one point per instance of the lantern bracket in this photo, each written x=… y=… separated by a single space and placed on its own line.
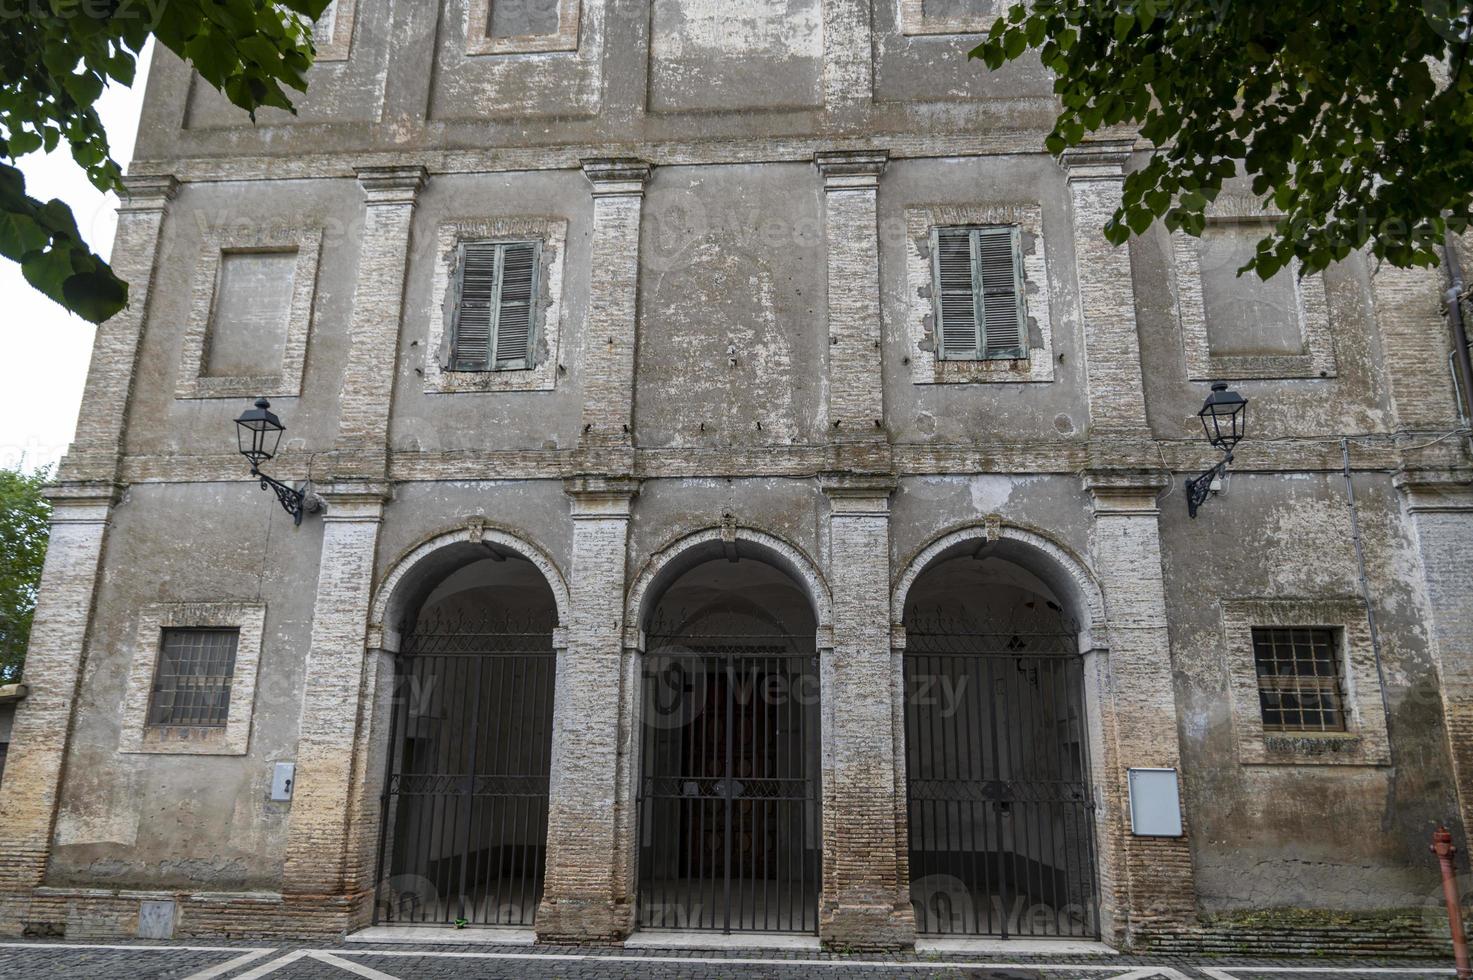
x=296 y=501
x=1199 y=488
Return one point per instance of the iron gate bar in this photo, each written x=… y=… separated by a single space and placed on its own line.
x=464 y=807
x=1010 y=827
x=738 y=798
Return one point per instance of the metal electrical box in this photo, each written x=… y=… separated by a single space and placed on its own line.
x=1155 y=803
x=282 y=779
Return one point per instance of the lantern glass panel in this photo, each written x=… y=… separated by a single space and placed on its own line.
x=1223 y=417
x=258 y=433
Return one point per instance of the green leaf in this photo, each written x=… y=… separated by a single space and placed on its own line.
x=54 y=66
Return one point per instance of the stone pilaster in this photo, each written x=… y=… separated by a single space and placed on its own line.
x=582 y=899
x=1439 y=505
x=336 y=700
x=82 y=504
x=378 y=307
x=865 y=900
x=848 y=62
x=606 y=369
x=43 y=720
x=851 y=182
x=93 y=456
x=1147 y=882
x=1096 y=173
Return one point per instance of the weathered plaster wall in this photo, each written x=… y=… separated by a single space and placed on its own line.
x=731 y=293
x=732 y=328
x=191 y=822
x=1321 y=834
x=159 y=422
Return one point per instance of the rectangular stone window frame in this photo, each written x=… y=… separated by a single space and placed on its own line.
x=337 y=47
x=913 y=21
x=139 y=737
x=193 y=381
x=920 y=329
x=478 y=30
x=1364 y=742
x=1318 y=359
x=552 y=233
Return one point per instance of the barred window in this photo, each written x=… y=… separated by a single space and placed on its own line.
x=1299 y=688
x=191 y=685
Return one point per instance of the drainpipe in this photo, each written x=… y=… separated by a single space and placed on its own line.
x=1454 y=300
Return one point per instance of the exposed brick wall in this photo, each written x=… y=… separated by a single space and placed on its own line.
x=333 y=702
x=579 y=887
x=368 y=376
x=607 y=358
x=43 y=721
x=851 y=182
x=1151 y=878
x=862 y=903
x=1106 y=290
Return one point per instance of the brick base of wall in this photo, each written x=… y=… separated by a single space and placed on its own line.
x=84 y=914
x=1305 y=932
x=96 y=914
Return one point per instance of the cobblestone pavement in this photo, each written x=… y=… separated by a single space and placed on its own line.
x=176 y=961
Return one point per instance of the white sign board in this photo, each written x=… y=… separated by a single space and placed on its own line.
x=1155 y=803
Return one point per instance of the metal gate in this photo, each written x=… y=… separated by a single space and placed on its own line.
x=730 y=837
x=1001 y=811
x=464 y=816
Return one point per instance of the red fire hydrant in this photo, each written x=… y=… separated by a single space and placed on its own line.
x=1442 y=846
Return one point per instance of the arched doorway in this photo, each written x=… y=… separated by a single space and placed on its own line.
x=1001 y=814
x=464 y=821
x=730 y=837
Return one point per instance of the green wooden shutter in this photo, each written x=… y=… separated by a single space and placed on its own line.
x=979 y=293
x=472 y=347
x=1000 y=275
x=496 y=304
x=956 y=306
x=514 y=309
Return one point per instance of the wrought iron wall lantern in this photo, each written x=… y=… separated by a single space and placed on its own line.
x=1224 y=416
x=259 y=432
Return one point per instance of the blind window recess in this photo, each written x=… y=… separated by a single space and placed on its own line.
x=495 y=321
x=981 y=313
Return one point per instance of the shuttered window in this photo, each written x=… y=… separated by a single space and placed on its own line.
x=494 y=316
x=979 y=293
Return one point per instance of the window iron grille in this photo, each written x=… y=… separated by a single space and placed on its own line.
x=1299 y=686
x=191 y=686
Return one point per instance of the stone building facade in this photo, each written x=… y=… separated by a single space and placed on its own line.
x=740 y=446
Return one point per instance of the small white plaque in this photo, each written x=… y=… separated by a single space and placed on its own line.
x=282 y=779
x=1155 y=803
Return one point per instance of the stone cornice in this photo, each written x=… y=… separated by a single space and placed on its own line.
x=354 y=501
x=83 y=493
x=1184 y=457
x=146 y=193
x=617 y=176
x=857 y=493
x=391 y=185
x=1436 y=490
x=847 y=170
x=599 y=497
x=1098 y=159
x=1126 y=492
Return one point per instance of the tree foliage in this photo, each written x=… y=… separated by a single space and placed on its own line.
x=56 y=57
x=24 y=526
x=1354 y=118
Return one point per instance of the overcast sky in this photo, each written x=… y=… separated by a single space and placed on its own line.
x=43 y=348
